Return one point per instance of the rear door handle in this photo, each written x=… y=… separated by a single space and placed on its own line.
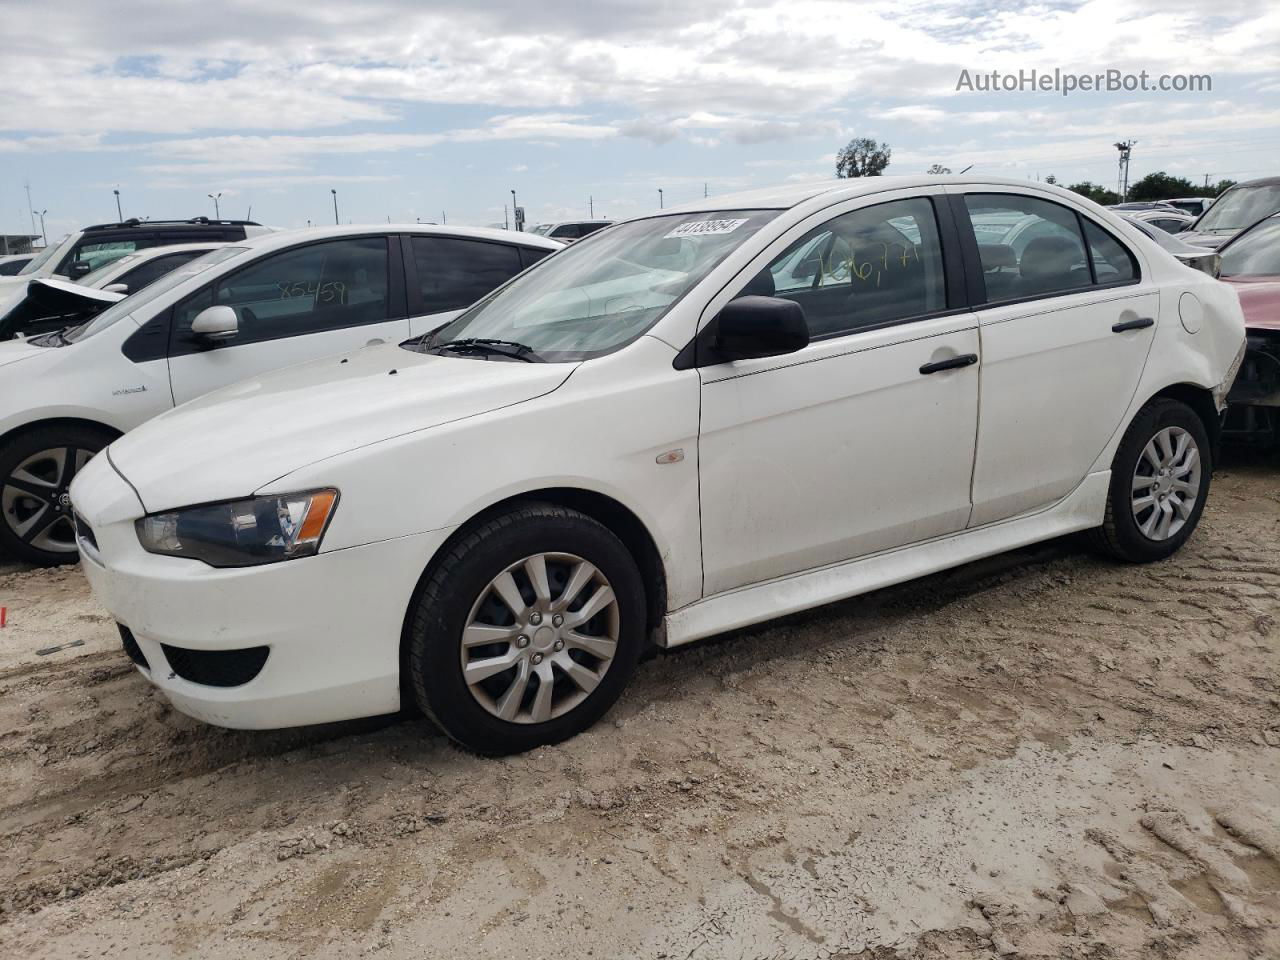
x=964 y=360
x=1140 y=324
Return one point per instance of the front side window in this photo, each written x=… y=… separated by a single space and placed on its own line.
x=321 y=286
x=454 y=273
x=100 y=254
x=868 y=267
x=596 y=296
x=1028 y=247
x=152 y=270
x=1254 y=254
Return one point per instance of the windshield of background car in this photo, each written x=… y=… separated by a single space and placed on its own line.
x=46 y=256
x=1240 y=207
x=603 y=292
x=146 y=295
x=1254 y=254
x=541 y=229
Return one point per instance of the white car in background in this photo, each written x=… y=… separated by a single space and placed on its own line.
x=240 y=311
x=51 y=303
x=668 y=430
x=12 y=263
x=569 y=230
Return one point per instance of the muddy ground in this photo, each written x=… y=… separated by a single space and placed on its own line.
x=1040 y=755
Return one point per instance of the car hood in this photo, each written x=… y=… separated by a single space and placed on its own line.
x=1202 y=239
x=233 y=441
x=11 y=351
x=1260 y=300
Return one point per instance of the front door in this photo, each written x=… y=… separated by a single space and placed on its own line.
x=862 y=441
x=300 y=304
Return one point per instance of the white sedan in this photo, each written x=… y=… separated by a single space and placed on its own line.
x=676 y=427
x=267 y=302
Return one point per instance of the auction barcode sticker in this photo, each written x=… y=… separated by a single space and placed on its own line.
x=704 y=228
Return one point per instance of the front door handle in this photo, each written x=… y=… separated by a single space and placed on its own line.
x=1139 y=324
x=952 y=363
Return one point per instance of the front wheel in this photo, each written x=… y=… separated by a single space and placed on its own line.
x=527 y=631
x=36 y=469
x=1159 y=483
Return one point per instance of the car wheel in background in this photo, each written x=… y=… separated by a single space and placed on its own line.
x=527 y=630
x=36 y=469
x=1159 y=483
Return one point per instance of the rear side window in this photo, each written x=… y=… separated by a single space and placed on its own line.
x=874 y=265
x=322 y=286
x=454 y=273
x=1028 y=247
x=531 y=255
x=1111 y=259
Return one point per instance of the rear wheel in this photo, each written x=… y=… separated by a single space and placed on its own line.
x=527 y=631
x=1159 y=482
x=36 y=469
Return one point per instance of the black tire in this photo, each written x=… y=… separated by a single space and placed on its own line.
x=461 y=580
x=20 y=538
x=1120 y=535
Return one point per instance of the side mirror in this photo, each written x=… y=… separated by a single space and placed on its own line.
x=116 y=288
x=750 y=327
x=79 y=268
x=215 y=324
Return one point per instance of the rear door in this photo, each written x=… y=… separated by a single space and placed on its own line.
x=447 y=274
x=1066 y=327
x=293 y=305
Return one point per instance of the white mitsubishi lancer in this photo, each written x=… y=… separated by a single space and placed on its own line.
x=680 y=425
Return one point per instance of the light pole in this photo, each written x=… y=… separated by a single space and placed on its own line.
x=119 y=215
x=335 y=205
x=515 y=213
x=43 y=236
x=659 y=198
x=217 y=212
x=1125 y=147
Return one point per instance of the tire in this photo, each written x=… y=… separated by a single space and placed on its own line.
x=1141 y=535
x=509 y=705
x=36 y=468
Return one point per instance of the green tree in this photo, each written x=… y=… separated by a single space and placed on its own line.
x=1051 y=179
x=862 y=157
x=1095 y=193
x=1220 y=188
x=1161 y=186
x=938 y=169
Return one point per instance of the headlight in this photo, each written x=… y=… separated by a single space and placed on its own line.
x=242 y=533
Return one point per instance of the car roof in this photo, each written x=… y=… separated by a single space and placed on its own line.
x=287 y=238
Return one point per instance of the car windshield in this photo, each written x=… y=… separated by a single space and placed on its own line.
x=1240 y=207
x=603 y=292
x=46 y=256
x=541 y=229
x=147 y=294
x=1254 y=254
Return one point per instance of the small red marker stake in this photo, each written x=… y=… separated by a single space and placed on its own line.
x=4 y=613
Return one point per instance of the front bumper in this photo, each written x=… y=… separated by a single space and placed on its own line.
x=331 y=623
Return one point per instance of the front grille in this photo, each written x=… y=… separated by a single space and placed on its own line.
x=84 y=531
x=216 y=668
x=131 y=648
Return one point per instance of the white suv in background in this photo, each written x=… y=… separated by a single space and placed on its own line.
x=682 y=425
x=569 y=230
x=240 y=311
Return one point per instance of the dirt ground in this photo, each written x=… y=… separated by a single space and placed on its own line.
x=1040 y=755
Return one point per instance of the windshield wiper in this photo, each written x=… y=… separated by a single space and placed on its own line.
x=503 y=348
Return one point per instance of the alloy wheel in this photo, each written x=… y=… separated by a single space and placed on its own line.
x=540 y=638
x=1166 y=483
x=35 y=502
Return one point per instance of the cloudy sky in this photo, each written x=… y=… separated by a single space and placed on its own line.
x=429 y=108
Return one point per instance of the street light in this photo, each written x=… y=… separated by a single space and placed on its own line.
x=659 y=198
x=515 y=213
x=43 y=236
x=119 y=215
x=335 y=205
x=217 y=212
